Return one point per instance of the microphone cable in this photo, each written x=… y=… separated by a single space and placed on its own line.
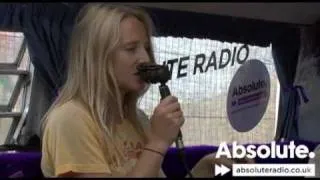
x=164 y=92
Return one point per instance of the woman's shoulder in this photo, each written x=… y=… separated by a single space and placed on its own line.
x=68 y=113
x=69 y=108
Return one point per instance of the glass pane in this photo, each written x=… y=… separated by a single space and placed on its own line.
x=10 y=44
x=7 y=84
x=24 y=65
x=5 y=124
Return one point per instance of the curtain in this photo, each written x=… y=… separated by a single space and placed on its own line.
x=46 y=27
x=308 y=72
x=285 y=51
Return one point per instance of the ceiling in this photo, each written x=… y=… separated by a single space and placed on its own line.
x=296 y=13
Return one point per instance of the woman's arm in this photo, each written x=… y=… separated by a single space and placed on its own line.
x=149 y=163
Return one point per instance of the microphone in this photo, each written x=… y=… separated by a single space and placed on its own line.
x=154 y=73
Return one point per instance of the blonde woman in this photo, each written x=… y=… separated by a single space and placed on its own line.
x=94 y=128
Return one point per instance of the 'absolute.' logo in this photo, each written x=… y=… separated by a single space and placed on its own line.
x=248 y=95
x=240 y=90
x=263 y=151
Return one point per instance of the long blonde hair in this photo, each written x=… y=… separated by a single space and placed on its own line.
x=90 y=76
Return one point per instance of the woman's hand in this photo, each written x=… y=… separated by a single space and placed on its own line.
x=205 y=166
x=166 y=122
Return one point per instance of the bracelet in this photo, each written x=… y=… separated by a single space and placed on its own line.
x=151 y=150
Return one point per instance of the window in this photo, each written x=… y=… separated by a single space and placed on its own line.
x=203 y=92
x=15 y=80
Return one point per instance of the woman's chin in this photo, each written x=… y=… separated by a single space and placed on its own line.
x=139 y=87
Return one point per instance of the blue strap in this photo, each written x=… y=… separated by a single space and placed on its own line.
x=298 y=93
x=299 y=90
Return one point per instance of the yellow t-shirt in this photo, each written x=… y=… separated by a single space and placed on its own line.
x=72 y=141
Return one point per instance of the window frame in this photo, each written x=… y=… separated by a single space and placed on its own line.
x=22 y=87
x=18 y=60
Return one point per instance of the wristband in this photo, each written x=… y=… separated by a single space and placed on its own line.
x=151 y=150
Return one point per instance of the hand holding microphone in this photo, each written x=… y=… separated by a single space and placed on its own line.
x=166 y=122
x=167 y=117
x=154 y=73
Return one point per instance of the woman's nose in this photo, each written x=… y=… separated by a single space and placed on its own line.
x=144 y=56
x=143 y=60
